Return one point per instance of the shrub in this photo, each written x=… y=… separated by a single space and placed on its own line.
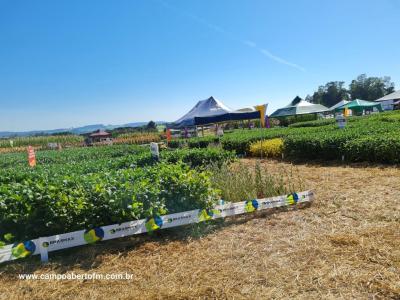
x=315 y=123
x=240 y=140
x=285 y=121
x=322 y=139
x=329 y=142
x=391 y=118
x=194 y=142
x=267 y=148
x=174 y=144
x=45 y=205
x=79 y=188
x=198 y=157
x=383 y=148
x=315 y=145
x=202 y=142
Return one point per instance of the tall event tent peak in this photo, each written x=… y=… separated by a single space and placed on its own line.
x=203 y=108
x=210 y=111
x=299 y=106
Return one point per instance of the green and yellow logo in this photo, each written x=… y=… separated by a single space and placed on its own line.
x=292 y=199
x=153 y=223
x=251 y=205
x=93 y=235
x=207 y=214
x=21 y=250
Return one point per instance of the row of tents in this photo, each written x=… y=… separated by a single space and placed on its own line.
x=301 y=107
x=211 y=110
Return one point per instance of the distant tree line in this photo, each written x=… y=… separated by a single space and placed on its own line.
x=363 y=87
x=150 y=127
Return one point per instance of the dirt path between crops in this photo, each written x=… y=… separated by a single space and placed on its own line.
x=346 y=245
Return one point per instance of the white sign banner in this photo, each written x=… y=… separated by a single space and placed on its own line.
x=155 y=153
x=44 y=245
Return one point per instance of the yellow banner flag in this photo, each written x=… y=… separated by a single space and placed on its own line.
x=262 y=109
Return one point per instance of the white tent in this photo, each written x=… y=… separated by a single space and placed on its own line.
x=298 y=106
x=388 y=101
x=203 y=108
x=341 y=103
x=246 y=109
x=211 y=111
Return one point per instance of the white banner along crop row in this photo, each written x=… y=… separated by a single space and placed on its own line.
x=44 y=245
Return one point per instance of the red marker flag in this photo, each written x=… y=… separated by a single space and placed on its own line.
x=31 y=156
x=168 y=135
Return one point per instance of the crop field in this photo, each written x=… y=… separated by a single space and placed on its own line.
x=346 y=245
x=374 y=138
x=40 y=141
x=19 y=144
x=137 y=139
x=83 y=188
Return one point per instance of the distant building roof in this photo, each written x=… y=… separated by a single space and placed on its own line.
x=392 y=96
x=100 y=133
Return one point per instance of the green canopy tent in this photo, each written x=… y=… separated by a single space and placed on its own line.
x=359 y=105
x=298 y=107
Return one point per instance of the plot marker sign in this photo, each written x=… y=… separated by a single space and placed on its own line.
x=155 y=153
x=31 y=156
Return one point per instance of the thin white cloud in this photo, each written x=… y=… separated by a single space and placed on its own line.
x=281 y=60
x=231 y=36
x=250 y=44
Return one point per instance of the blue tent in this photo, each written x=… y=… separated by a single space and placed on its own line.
x=231 y=116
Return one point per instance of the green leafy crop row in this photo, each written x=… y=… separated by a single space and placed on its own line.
x=82 y=188
x=372 y=138
x=44 y=205
x=195 y=142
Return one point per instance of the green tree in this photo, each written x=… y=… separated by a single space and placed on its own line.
x=329 y=94
x=370 y=88
x=151 y=125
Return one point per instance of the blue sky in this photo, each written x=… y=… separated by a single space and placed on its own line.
x=72 y=63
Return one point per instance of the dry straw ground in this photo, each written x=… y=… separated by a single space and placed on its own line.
x=346 y=245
